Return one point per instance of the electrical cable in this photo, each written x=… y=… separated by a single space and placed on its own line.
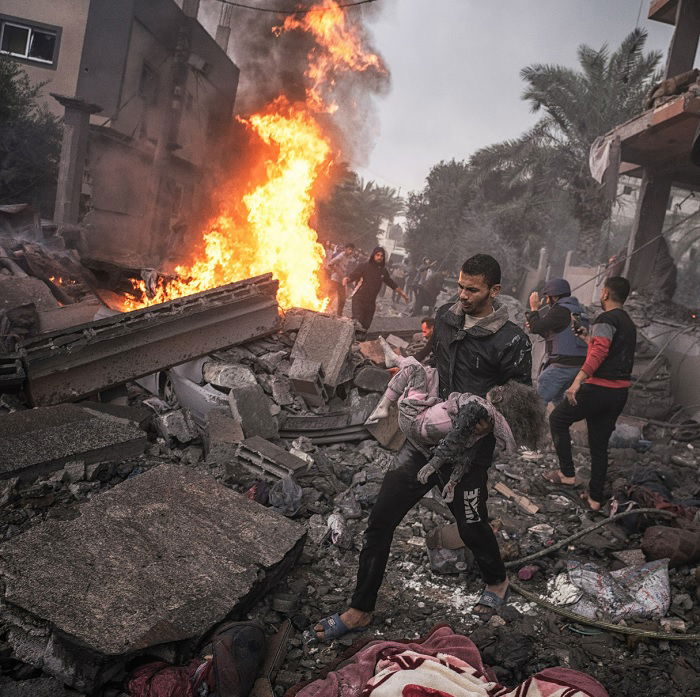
x=581 y=619
x=292 y=12
x=581 y=533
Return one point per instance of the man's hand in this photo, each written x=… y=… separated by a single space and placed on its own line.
x=570 y=394
x=534 y=301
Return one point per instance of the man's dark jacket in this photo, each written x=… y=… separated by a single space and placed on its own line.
x=477 y=359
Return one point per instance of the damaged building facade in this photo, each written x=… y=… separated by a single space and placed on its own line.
x=145 y=93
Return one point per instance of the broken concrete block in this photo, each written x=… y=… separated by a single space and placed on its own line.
x=396 y=342
x=361 y=406
x=222 y=434
x=306 y=377
x=265 y=459
x=281 y=390
x=372 y=379
x=387 y=431
x=249 y=404
x=149 y=565
x=228 y=375
x=326 y=339
x=38 y=441
x=271 y=361
x=176 y=425
x=373 y=351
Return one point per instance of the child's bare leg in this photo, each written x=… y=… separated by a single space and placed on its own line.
x=391 y=358
x=381 y=411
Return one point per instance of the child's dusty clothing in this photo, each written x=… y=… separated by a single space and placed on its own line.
x=426 y=421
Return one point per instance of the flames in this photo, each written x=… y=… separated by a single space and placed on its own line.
x=338 y=50
x=274 y=233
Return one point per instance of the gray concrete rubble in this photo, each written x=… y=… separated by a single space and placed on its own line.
x=148 y=565
x=38 y=441
x=264 y=459
x=326 y=339
x=249 y=404
x=222 y=434
x=372 y=379
x=176 y=425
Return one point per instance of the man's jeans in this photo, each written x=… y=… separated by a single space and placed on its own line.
x=554 y=380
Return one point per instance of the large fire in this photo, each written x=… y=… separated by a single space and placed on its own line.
x=276 y=235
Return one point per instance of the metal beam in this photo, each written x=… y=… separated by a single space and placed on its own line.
x=71 y=364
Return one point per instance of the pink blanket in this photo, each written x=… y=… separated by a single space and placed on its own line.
x=379 y=670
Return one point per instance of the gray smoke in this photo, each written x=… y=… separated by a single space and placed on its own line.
x=271 y=66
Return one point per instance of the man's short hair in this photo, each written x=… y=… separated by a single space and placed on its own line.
x=483 y=265
x=349 y=245
x=619 y=288
x=428 y=321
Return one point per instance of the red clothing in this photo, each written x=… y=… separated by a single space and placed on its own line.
x=598 y=350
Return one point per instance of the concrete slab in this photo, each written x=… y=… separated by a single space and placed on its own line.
x=16 y=291
x=387 y=431
x=38 y=441
x=150 y=564
x=403 y=327
x=68 y=315
x=373 y=351
x=326 y=339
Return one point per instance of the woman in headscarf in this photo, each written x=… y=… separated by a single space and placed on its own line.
x=369 y=278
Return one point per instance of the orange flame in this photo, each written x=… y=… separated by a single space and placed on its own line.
x=339 y=49
x=276 y=235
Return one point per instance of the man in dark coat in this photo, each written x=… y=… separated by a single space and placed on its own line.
x=369 y=277
x=476 y=348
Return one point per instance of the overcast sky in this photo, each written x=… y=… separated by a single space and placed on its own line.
x=455 y=71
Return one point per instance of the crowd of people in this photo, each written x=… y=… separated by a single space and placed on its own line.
x=469 y=390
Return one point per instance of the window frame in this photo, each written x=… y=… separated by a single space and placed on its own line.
x=31 y=26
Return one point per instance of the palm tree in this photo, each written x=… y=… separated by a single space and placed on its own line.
x=578 y=106
x=356 y=208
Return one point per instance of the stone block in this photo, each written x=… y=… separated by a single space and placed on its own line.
x=38 y=441
x=306 y=377
x=269 y=362
x=372 y=379
x=281 y=390
x=387 y=431
x=222 y=434
x=148 y=567
x=249 y=404
x=326 y=339
x=372 y=351
x=16 y=291
x=177 y=426
x=228 y=375
x=403 y=327
x=264 y=459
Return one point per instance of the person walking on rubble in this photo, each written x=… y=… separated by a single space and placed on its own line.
x=476 y=348
x=339 y=267
x=565 y=350
x=369 y=278
x=599 y=391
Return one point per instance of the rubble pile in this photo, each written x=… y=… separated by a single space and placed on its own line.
x=280 y=420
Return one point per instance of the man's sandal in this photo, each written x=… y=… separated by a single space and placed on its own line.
x=491 y=602
x=334 y=628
